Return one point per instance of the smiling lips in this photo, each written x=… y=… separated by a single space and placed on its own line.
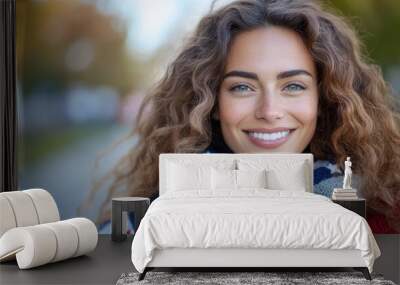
x=269 y=138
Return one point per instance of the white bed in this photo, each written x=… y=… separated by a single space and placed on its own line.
x=197 y=224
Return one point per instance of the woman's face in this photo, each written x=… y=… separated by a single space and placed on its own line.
x=268 y=99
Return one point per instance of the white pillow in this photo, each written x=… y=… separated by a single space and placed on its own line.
x=182 y=177
x=227 y=179
x=223 y=179
x=281 y=174
x=251 y=178
x=292 y=179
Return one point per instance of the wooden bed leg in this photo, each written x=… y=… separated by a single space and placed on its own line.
x=364 y=271
x=143 y=274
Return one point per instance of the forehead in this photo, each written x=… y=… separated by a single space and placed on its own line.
x=269 y=50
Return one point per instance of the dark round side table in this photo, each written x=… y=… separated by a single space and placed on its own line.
x=121 y=206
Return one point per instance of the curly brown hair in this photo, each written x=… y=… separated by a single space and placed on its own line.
x=357 y=118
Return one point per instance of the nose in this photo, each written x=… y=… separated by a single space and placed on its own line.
x=269 y=108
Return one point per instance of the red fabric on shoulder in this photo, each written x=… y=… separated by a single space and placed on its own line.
x=379 y=225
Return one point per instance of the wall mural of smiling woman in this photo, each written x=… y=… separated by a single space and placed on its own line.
x=261 y=76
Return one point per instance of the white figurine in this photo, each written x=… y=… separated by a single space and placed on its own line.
x=347 y=174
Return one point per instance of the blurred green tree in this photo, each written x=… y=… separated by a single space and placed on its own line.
x=68 y=41
x=378 y=23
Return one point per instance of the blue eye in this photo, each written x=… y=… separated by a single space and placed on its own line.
x=240 y=88
x=294 y=87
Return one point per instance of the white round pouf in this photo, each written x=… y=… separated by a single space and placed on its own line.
x=31 y=232
x=67 y=240
x=46 y=207
x=23 y=208
x=33 y=246
x=7 y=215
x=87 y=233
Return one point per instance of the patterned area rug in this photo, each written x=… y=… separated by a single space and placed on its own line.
x=229 y=278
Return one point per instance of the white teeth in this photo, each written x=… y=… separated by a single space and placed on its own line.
x=269 y=136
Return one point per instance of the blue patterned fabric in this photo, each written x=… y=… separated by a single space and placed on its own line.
x=327 y=176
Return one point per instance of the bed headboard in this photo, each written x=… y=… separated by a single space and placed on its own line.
x=229 y=161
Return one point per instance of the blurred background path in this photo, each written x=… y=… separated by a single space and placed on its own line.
x=68 y=174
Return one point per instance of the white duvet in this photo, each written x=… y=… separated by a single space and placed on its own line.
x=251 y=218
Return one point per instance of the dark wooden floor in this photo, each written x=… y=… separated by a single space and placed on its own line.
x=106 y=264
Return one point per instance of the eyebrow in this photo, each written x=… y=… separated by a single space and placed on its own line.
x=281 y=75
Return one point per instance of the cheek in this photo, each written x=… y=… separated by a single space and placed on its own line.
x=233 y=110
x=305 y=111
